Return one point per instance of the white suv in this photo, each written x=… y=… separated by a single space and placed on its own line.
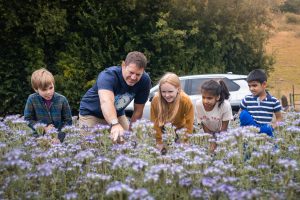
x=236 y=84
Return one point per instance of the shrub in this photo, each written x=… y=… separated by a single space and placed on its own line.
x=292 y=18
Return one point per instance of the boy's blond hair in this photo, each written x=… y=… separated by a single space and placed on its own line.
x=41 y=79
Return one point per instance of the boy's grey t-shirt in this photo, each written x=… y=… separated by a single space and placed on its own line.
x=112 y=79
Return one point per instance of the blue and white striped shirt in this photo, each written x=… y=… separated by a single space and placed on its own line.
x=261 y=110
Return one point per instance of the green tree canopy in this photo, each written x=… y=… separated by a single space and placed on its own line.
x=75 y=40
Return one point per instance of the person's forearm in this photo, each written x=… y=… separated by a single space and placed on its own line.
x=205 y=129
x=137 y=113
x=224 y=126
x=135 y=116
x=108 y=111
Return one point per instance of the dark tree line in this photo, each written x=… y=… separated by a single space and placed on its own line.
x=76 y=39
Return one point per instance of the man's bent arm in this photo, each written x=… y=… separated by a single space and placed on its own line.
x=137 y=113
x=107 y=99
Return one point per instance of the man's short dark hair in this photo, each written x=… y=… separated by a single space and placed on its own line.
x=137 y=58
x=257 y=75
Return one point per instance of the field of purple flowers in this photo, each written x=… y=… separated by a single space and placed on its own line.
x=246 y=165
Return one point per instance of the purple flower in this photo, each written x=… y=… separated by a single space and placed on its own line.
x=293 y=129
x=185 y=182
x=2 y=145
x=11 y=118
x=30 y=176
x=281 y=124
x=90 y=139
x=98 y=177
x=39 y=126
x=130 y=180
x=52 y=132
x=293 y=148
x=19 y=121
x=32 y=195
x=100 y=128
x=31 y=142
x=84 y=155
x=208 y=182
x=45 y=169
x=197 y=193
x=123 y=161
x=57 y=163
x=138 y=164
x=140 y=194
x=73 y=148
x=224 y=188
x=117 y=187
x=4 y=128
x=14 y=154
x=296 y=122
x=213 y=171
x=233 y=153
x=244 y=194
x=230 y=179
x=154 y=172
x=288 y=164
x=70 y=196
x=263 y=166
x=21 y=164
x=70 y=129
x=100 y=160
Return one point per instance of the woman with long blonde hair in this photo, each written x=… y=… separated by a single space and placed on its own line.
x=171 y=105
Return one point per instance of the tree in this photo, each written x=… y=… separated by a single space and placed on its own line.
x=76 y=40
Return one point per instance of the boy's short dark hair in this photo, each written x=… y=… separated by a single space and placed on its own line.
x=257 y=75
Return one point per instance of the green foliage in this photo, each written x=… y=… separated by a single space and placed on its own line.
x=292 y=6
x=76 y=40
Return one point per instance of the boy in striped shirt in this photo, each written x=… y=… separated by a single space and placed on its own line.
x=258 y=108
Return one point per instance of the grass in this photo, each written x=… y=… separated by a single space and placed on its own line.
x=285 y=45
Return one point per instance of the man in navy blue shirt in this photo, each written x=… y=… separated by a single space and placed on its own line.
x=114 y=89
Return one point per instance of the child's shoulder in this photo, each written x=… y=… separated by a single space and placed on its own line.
x=33 y=96
x=184 y=96
x=271 y=97
x=59 y=96
x=225 y=105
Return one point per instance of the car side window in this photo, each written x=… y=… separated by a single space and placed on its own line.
x=231 y=85
x=196 y=85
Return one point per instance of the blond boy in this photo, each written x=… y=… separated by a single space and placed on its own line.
x=45 y=105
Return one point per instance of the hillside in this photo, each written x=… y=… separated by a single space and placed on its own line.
x=285 y=45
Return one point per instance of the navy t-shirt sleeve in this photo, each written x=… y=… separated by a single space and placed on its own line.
x=105 y=80
x=142 y=94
